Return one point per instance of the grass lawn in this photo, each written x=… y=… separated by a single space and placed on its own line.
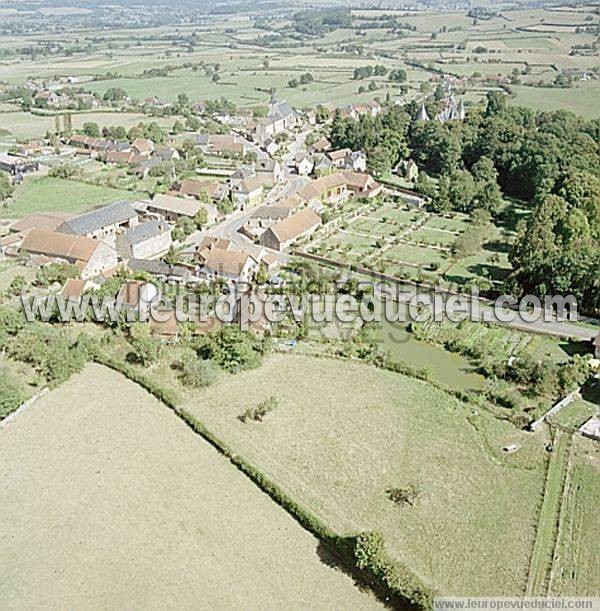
x=118 y=485
x=56 y=194
x=582 y=100
x=577 y=563
x=345 y=432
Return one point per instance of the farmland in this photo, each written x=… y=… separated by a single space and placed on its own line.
x=576 y=567
x=118 y=485
x=463 y=536
x=55 y=194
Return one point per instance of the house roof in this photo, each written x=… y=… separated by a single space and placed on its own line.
x=321 y=145
x=115 y=213
x=210 y=241
x=177 y=205
x=272 y=212
x=146 y=231
x=41 y=220
x=359 y=180
x=318 y=187
x=296 y=225
x=62 y=245
x=249 y=185
x=143 y=145
x=73 y=287
x=158 y=268
x=230 y=262
x=339 y=154
x=195 y=187
x=129 y=293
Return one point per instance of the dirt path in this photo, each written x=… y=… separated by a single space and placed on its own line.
x=108 y=501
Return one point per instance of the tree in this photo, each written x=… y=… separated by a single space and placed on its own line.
x=91 y=129
x=197 y=373
x=399 y=76
x=11 y=394
x=178 y=127
x=6 y=186
x=380 y=160
x=201 y=218
x=441 y=202
x=146 y=349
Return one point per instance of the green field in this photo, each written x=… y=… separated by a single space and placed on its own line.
x=576 y=569
x=582 y=100
x=345 y=432
x=56 y=194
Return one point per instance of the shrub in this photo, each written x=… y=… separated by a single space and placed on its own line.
x=406 y=495
x=11 y=395
x=260 y=411
x=232 y=349
x=197 y=373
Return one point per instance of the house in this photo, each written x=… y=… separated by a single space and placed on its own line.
x=173 y=208
x=263 y=218
x=304 y=165
x=103 y=223
x=221 y=144
x=122 y=157
x=284 y=233
x=321 y=164
x=234 y=265
x=145 y=165
x=328 y=189
x=356 y=161
x=407 y=169
x=17 y=166
x=320 y=146
x=166 y=153
x=338 y=158
x=40 y=220
x=146 y=241
x=208 y=243
x=91 y=256
x=243 y=172
x=74 y=289
x=203 y=188
x=269 y=170
x=362 y=185
x=143 y=147
x=247 y=193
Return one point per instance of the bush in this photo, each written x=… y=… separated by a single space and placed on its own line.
x=197 y=373
x=232 y=349
x=11 y=395
x=260 y=411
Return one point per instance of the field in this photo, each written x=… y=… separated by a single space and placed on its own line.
x=56 y=194
x=582 y=100
x=577 y=561
x=119 y=504
x=26 y=125
x=345 y=432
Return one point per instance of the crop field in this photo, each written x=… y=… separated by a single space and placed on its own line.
x=344 y=433
x=117 y=485
x=577 y=560
x=56 y=194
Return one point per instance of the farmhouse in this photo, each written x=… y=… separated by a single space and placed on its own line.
x=320 y=146
x=102 y=223
x=237 y=266
x=220 y=144
x=92 y=257
x=407 y=169
x=143 y=147
x=146 y=241
x=173 y=208
x=338 y=158
x=362 y=185
x=284 y=233
x=40 y=220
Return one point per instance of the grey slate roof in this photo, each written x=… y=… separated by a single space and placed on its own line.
x=146 y=231
x=118 y=212
x=158 y=268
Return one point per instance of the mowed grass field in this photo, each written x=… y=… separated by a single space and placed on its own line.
x=577 y=561
x=345 y=432
x=111 y=501
x=44 y=194
x=582 y=100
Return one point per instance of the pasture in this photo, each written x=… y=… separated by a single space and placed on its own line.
x=41 y=194
x=118 y=486
x=576 y=569
x=345 y=432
